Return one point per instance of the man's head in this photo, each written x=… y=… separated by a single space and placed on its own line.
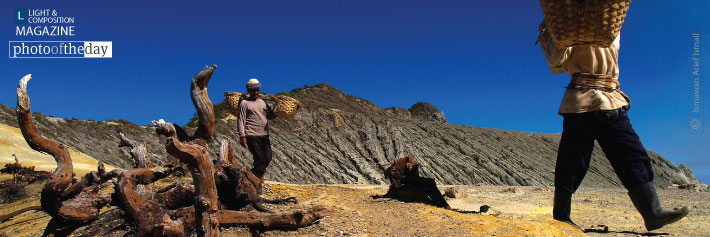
x=253 y=88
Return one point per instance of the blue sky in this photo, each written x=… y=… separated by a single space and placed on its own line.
x=474 y=60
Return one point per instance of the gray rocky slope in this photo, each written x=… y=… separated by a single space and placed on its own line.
x=339 y=138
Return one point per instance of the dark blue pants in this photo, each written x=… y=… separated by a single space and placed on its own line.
x=618 y=140
x=260 y=148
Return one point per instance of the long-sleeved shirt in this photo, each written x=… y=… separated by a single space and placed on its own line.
x=586 y=60
x=253 y=119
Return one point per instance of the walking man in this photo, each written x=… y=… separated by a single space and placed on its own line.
x=253 y=127
x=594 y=108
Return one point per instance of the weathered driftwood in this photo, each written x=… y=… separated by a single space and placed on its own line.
x=5 y=217
x=150 y=216
x=69 y=203
x=237 y=186
x=258 y=221
x=285 y=220
x=110 y=223
x=151 y=212
x=176 y=195
x=12 y=168
x=138 y=151
x=24 y=174
x=226 y=153
x=193 y=151
x=173 y=211
x=406 y=184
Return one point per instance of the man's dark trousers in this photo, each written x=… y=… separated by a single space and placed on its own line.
x=613 y=131
x=260 y=148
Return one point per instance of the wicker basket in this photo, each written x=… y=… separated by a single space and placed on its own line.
x=287 y=107
x=232 y=99
x=584 y=22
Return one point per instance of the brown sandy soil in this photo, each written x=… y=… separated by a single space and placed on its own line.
x=356 y=213
x=592 y=208
x=515 y=211
x=30 y=223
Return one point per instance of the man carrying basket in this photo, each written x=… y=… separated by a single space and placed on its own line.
x=253 y=127
x=594 y=108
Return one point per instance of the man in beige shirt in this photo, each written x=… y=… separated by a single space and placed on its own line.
x=253 y=127
x=594 y=108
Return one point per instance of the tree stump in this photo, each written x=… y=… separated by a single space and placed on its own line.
x=23 y=173
x=406 y=185
x=237 y=186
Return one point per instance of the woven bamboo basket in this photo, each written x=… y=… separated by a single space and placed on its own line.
x=232 y=99
x=287 y=107
x=584 y=22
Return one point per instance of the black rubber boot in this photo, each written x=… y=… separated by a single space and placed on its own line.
x=645 y=200
x=562 y=207
x=258 y=174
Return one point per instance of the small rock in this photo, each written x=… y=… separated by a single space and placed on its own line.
x=605 y=229
x=484 y=209
x=450 y=192
x=687 y=186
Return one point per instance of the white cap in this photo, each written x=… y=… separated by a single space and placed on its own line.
x=253 y=84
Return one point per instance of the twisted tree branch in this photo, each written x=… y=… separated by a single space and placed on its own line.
x=69 y=204
x=194 y=153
